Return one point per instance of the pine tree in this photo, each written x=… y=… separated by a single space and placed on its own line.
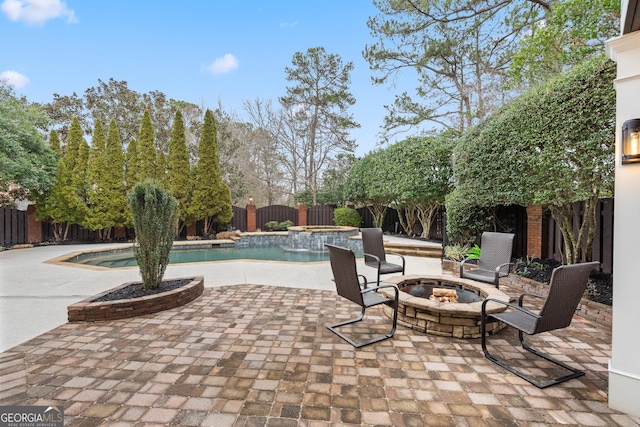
x=211 y=196
x=178 y=170
x=147 y=158
x=132 y=164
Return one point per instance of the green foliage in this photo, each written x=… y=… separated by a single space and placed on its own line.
x=179 y=169
x=25 y=159
x=131 y=174
x=552 y=146
x=147 y=162
x=107 y=194
x=369 y=184
x=473 y=252
x=456 y=252
x=272 y=226
x=347 y=217
x=155 y=220
x=284 y=225
x=574 y=30
x=211 y=196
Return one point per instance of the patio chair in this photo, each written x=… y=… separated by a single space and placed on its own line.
x=375 y=255
x=343 y=265
x=568 y=283
x=494 y=261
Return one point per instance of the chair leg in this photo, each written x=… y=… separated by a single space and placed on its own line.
x=359 y=318
x=575 y=373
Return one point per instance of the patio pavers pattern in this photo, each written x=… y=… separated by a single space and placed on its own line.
x=261 y=356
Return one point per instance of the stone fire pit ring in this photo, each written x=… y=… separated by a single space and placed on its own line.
x=448 y=319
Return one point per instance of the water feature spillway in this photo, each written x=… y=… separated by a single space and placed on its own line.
x=314 y=237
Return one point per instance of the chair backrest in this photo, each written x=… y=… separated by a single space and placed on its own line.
x=345 y=273
x=372 y=243
x=567 y=285
x=495 y=249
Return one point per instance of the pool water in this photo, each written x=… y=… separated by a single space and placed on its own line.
x=125 y=258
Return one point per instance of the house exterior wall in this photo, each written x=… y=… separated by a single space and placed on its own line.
x=624 y=369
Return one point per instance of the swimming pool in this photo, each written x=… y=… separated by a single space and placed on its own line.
x=202 y=253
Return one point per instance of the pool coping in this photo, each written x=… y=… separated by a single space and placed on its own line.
x=63 y=260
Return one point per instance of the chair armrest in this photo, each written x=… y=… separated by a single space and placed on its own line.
x=500 y=267
x=398 y=255
x=462 y=265
x=375 y=258
x=521 y=299
x=376 y=288
x=363 y=285
x=508 y=304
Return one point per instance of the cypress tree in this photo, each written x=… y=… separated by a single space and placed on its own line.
x=97 y=161
x=132 y=164
x=178 y=169
x=211 y=196
x=147 y=158
x=54 y=143
x=107 y=199
x=75 y=159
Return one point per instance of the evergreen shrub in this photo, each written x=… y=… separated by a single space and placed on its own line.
x=155 y=222
x=346 y=217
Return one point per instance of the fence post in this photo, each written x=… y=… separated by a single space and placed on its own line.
x=302 y=214
x=34 y=227
x=534 y=231
x=251 y=218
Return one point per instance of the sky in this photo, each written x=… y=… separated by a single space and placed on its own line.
x=199 y=51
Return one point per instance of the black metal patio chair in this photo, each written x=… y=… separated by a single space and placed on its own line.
x=343 y=265
x=375 y=255
x=567 y=285
x=494 y=261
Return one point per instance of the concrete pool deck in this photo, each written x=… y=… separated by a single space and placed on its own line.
x=28 y=284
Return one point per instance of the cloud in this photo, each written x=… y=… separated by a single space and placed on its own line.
x=37 y=12
x=223 y=65
x=288 y=24
x=14 y=78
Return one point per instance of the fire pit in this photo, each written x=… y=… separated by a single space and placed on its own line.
x=450 y=319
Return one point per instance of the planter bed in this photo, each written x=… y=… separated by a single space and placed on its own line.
x=88 y=310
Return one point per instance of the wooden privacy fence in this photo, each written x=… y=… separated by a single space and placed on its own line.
x=13 y=226
x=320 y=215
x=279 y=213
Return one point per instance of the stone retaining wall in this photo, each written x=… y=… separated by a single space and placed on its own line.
x=88 y=311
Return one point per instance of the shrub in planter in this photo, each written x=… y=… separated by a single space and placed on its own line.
x=284 y=225
x=155 y=222
x=271 y=226
x=346 y=217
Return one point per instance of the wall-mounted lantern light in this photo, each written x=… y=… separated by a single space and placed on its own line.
x=250 y=200
x=631 y=141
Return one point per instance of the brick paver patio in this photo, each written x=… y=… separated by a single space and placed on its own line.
x=261 y=356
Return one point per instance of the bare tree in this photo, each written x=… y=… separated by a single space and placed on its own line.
x=458 y=50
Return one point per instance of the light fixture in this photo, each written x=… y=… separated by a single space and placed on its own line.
x=631 y=141
x=250 y=200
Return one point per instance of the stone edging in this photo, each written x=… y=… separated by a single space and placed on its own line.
x=88 y=311
x=587 y=309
